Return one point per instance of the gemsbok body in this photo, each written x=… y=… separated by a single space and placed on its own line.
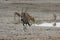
x=25 y=18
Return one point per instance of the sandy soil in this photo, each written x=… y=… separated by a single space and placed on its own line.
x=9 y=30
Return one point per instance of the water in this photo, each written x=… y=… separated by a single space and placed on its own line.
x=48 y=24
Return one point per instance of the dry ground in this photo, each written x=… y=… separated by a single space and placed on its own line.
x=11 y=31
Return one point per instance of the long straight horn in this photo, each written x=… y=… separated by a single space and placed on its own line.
x=22 y=10
x=26 y=9
x=18 y=10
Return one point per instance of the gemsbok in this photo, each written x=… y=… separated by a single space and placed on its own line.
x=25 y=17
x=54 y=19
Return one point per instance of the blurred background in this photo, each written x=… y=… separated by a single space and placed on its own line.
x=40 y=9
